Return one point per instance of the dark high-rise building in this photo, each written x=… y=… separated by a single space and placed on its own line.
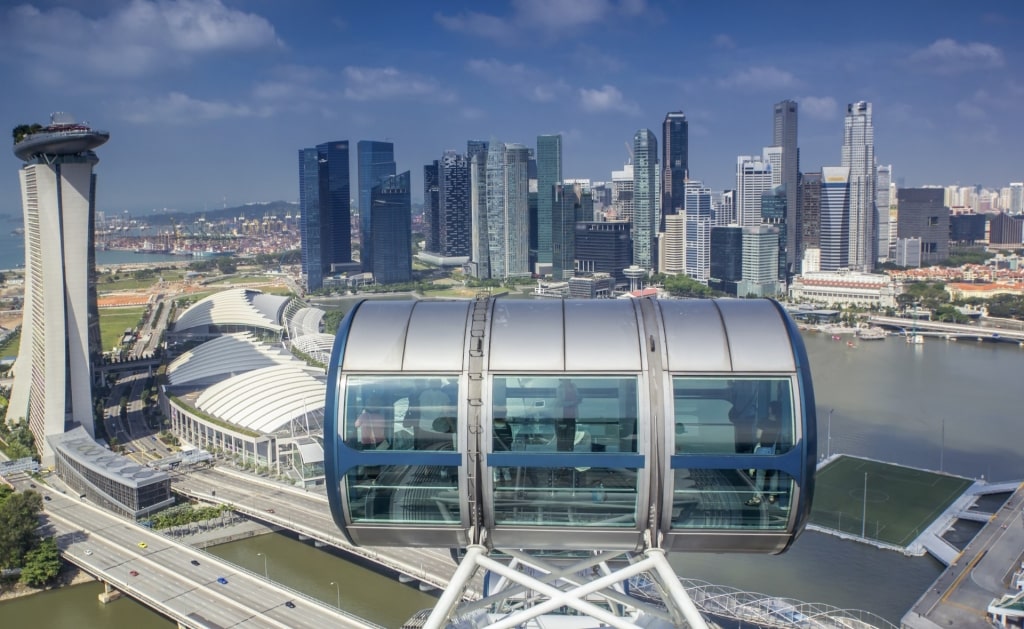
x=967 y=228
x=923 y=214
x=325 y=227
x=549 y=173
x=603 y=247
x=675 y=160
x=455 y=230
x=375 y=161
x=784 y=135
x=774 y=211
x=479 y=258
x=391 y=229
x=810 y=213
x=431 y=208
x=726 y=258
x=572 y=204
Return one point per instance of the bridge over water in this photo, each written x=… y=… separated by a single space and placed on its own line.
x=950 y=331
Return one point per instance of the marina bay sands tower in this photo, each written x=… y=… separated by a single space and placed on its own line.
x=60 y=327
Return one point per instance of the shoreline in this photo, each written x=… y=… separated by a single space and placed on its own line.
x=71 y=575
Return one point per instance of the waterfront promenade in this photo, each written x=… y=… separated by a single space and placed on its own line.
x=961 y=595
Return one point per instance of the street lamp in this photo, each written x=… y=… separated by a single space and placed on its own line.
x=338 y=590
x=265 y=574
x=828 y=446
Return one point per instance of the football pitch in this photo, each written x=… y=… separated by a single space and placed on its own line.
x=899 y=504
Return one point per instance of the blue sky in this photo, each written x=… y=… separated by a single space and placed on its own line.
x=208 y=101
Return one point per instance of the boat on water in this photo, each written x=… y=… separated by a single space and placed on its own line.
x=915 y=339
x=871 y=334
x=835 y=337
x=851 y=344
x=63 y=136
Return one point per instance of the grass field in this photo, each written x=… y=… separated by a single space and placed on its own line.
x=900 y=501
x=114 y=321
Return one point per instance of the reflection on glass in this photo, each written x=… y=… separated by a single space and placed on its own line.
x=414 y=494
x=565 y=496
x=735 y=499
x=400 y=413
x=732 y=415
x=564 y=414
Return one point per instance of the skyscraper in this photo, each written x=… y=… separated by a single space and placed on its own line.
x=431 y=208
x=753 y=178
x=859 y=157
x=883 y=177
x=699 y=221
x=774 y=212
x=675 y=138
x=391 y=229
x=784 y=135
x=60 y=327
x=604 y=247
x=726 y=258
x=760 y=261
x=924 y=216
x=622 y=193
x=375 y=161
x=549 y=173
x=810 y=214
x=834 y=237
x=645 y=199
x=324 y=206
x=454 y=232
x=508 y=213
x=572 y=203
x=479 y=257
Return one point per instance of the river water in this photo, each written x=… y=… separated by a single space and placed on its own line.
x=943 y=405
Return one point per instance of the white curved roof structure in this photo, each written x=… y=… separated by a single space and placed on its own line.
x=266 y=400
x=318 y=346
x=234 y=307
x=225 y=355
x=305 y=321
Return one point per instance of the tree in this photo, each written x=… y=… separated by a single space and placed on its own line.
x=685 y=286
x=19 y=515
x=227 y=266
x=42 y=564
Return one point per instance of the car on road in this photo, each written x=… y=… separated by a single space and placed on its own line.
x=270 y=510
x=289 y=604
x=143 y=545
x=88 y=551
x=222 y=580
x=32 y=485
x=194 y=562
x=47 y=498
x=134 y=573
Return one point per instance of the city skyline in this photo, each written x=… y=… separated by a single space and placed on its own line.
x=222 y=94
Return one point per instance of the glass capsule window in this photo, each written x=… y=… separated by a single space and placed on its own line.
x=402 y=416
x=564 y=450
x=746 y=426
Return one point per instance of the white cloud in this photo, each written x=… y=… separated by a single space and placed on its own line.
x=820 y=107
x=724 y=41
x=606 y=98
x=975 y=107
x=759 y=78
x=135 y=39
x=947 y=56
x=548 y=18
x=178 y=108
x=530 y=83
x=389 y=83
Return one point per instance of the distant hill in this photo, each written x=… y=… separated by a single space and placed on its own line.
x=251 y=210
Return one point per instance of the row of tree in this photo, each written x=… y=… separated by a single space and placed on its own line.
x=21 y=546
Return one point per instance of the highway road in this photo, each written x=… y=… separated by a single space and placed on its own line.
x=176 y=579
x=308 y=513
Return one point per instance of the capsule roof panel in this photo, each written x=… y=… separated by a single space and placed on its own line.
x=398 y=336
x=725 y=335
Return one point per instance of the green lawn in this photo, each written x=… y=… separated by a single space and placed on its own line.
x=114 y=321
x=127 y=281
x=900 y=502
x=11 y=346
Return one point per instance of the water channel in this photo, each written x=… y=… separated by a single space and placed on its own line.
x=941 y=405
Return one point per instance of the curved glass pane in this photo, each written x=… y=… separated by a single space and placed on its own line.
x=731 y=499
x=564 y=414
x=565 y=496
x=732 y=415
x=400 y=413
x=410 y=494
